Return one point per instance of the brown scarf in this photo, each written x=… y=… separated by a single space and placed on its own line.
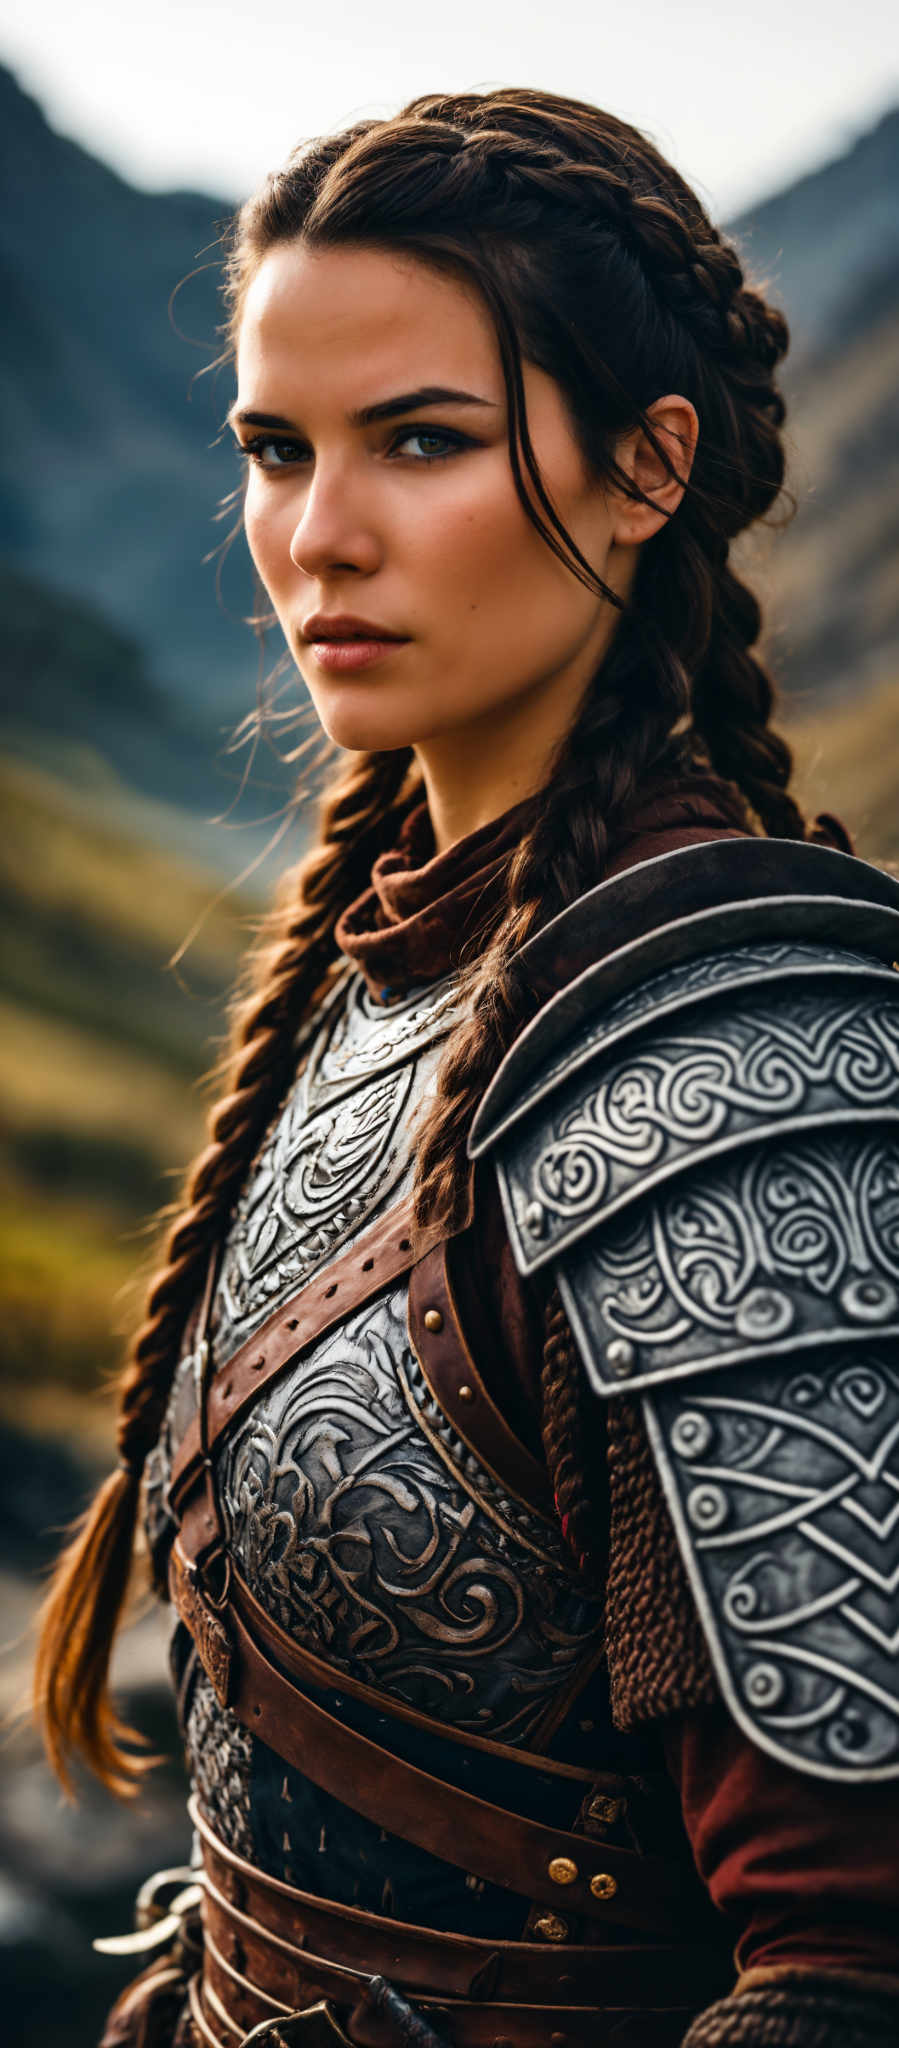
x=423 y=909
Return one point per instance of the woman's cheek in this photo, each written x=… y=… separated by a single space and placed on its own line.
x=269 y=533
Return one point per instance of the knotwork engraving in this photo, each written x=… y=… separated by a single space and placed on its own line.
x=785 y=1493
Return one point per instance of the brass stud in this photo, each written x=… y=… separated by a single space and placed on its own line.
x=603 y=1886
x=551 y=1928
x=433 y=1320
x=562 y=1870
x=466 y=1393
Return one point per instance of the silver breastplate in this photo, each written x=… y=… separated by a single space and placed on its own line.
x=338 y=1153
x=357 y=1516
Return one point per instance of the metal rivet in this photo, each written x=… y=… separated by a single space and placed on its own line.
x=621 y=1358
x=603 y=1886
x=466 y=1393
x=691 y=1434
x=433 y=1320
x=764 y=1686
x=562 y=1870
x=869 y=1301
x=551 y=1928
x=535 y=1219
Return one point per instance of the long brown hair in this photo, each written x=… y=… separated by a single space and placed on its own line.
x=597 y=263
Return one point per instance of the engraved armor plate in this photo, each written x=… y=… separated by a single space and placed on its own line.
x=359 y=1519
x=376 y=1537
x=744 y=1066
x=793 y=1247
x=712 y=1168
x=784 y=1489
x=338 y=1151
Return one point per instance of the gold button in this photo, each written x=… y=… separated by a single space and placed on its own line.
x=551 y=1928
x=562 y=1870
x=466 y=1394
x=433 y=1320
x=605 y=1810
x=603 y=1886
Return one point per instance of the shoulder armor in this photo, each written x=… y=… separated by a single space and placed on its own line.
x=700 y=1134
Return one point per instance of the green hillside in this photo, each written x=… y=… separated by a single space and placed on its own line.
x=101 y=1048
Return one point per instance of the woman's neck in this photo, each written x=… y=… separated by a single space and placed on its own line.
x=474 y=775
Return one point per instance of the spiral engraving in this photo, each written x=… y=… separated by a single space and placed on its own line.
x=707 y=975
x=788 y=1246
x=337 y=1152
x=374 y=1536
x=734 y=1069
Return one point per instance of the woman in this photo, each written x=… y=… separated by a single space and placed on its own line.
x=505 y=400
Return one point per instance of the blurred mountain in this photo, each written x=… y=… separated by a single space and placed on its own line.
x=114 y=466
x=827 y=249
x=828 y=246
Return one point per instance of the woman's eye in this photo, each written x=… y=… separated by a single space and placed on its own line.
x=268 y=453
x=429 y=444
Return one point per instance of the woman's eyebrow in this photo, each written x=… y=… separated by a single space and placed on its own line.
x=368 y=415
x=410 y=401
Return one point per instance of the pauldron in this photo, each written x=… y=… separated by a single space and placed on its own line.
x=700 y=1136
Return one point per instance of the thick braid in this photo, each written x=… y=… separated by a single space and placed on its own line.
x=87 y=1593
x=572 y=1441
x=285 y=973
x=622 y=734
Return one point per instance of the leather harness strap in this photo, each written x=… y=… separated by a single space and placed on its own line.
x=438 y=1340
x=302 y=1665
x=502 y=1848
x=381 y=1255
x=289 y=1927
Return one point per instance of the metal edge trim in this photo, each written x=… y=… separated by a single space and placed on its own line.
x=720 y=1361
x=671 y=944
x=763 y=1133
x=689 y=999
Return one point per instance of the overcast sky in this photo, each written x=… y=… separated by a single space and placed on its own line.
x=213 y=95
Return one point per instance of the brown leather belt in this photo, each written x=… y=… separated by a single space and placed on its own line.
x=271 y=1950
x=490 y=1842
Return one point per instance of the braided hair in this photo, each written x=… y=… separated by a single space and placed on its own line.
x=596 y=263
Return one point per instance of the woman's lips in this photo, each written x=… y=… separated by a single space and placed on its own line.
x=350 y=654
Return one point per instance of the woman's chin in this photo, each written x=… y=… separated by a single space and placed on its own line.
x=360 y=733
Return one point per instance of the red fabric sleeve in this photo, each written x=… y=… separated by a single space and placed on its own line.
x=808 y=1870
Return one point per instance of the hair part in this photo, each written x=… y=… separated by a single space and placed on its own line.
x=596 y=263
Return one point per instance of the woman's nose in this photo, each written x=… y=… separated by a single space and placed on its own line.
x=335 y=529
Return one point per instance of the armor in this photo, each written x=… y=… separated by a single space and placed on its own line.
x=387 y=1663
x=699 y=1136
x=389 y=1667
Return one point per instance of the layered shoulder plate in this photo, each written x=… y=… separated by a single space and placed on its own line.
x=700 y=1135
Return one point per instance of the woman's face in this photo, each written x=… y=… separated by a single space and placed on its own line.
x=415 y=596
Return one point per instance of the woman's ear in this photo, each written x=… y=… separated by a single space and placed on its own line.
x=675 y=427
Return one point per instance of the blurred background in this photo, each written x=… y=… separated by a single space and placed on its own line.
x=131 y=821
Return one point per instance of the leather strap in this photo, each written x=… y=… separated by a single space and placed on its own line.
x=487 y=1841
x=381 y=1255
x=285 y=1928
x=436 y=1337
x=307 y=1669
x=229 y=1996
